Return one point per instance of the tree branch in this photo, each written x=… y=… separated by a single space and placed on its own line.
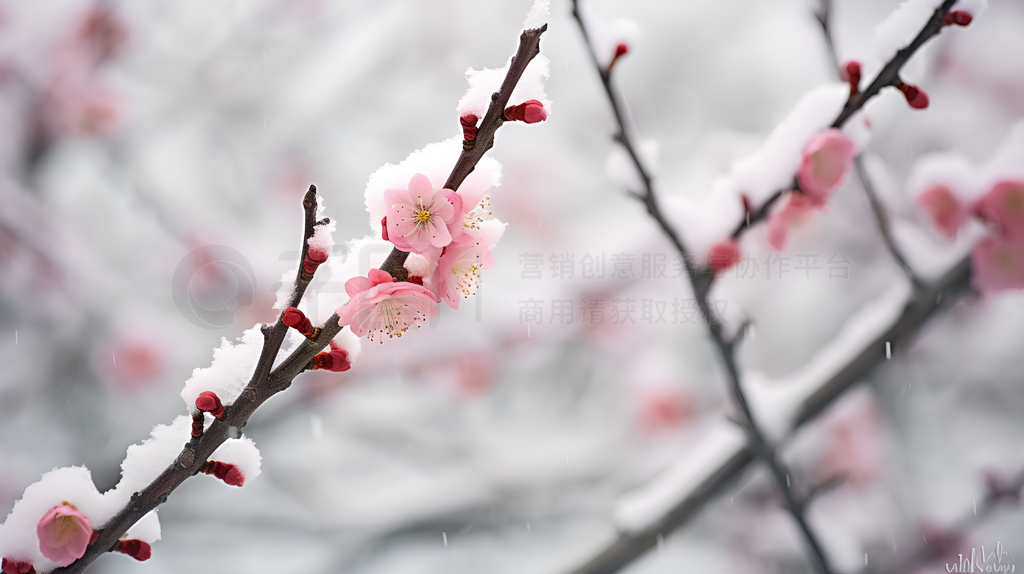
x=268 y=381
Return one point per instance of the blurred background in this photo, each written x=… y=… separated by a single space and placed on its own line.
x=496 y=440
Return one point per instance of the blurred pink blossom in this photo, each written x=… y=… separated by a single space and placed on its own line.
x=64 y=533
x=419 y=218
x=947 y=211
x=825 y=161
x=1003 y=205
x=723 y=255
x=998 y=263
x=381 y=306
x=794 y=210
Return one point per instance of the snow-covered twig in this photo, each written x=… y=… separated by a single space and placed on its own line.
x=267 y=380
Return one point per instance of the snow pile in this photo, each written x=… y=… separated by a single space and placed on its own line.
x=483 y=83
x=146 y=461
x=242 y=453
x=538 y=15
x=147 y=529
x=232 y=367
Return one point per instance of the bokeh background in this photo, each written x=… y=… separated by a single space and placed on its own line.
x=135 y=132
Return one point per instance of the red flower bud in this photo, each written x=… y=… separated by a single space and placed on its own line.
x=334 y=360
x=958 y=17
x=916 y=97
x=9 y=566
x=620 y=50
x=852 y=69
x=723 y=255
x=137 y=549
x=198 y=421
x=229 y=473
x=209 y=402
x=530 y=111
x=314 y=257
x=469 y=128
x=384 y=226
x=297 y=320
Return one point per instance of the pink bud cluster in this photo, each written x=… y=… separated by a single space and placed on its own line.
x=998 y=260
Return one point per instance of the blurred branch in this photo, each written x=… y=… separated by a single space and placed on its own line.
x=701 y=281
x=881 y=216
x=268 y=381
x=925 y=301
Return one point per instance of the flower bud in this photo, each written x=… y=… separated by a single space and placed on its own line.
x=297 y=320
x=209 y=402
x=916 y=97
x=469 y=128
x=958 y=17
x=852 y=70
x=137 y=549
x=620 y=50
x=530 y=111
x=314 y=258
x=723 y=255
x=9 y=566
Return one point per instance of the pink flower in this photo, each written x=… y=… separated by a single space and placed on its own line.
x=64 y=533
x=723 y=255
x=1003 y=205
x=947 y=211
x=419 y=218
x=458 y=270
x=998 y=263
x=381 y=306
x=795 y=209
x=824 y=163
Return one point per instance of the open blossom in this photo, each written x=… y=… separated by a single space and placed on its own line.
x=946 y=209
x=1003 y=205
x=382 y=306
x=418 y=218
x=458 y=271
x=824 y=163
x=998 y=263
x=64 y=533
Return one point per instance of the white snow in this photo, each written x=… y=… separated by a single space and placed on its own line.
x=643 y=508
x=323 y=236
x=242 y=453
x=949 y=168
x=230 y=371
x=147 y=529
x=607 y=33
x=538 y=15
x=145 y=462
x=775 y=402
x=902 y=26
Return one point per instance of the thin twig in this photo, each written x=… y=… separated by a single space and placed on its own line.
x=268 y=381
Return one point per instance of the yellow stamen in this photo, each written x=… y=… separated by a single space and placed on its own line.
x=422 y=216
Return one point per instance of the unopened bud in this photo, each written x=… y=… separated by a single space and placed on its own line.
x=314 y=258
x=334 y=360
x=530 y=111
x=9 y=566
x=916 y=97
x=297 y=320
x=958 y=17
x=620 y=50
x=209 y=402
x=852 y=69
x=229 y=473
x=469 y=128
x=137 y=549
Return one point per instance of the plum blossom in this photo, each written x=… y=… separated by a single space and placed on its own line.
x=64 y=533
x=418 y=218
x=381 y=306
x=947 y=211
x=458 y=270
x=824 y=163
x=998 y=263
x=1003 y=205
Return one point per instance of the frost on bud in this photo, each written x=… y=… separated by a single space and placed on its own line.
x=209 y=402
x=620 y=50
x=229 y=473
x=469 y=128
x=958 y=17
x=852 y=69
x=530 y=111
x=916 y=97
x=297 y=320
x=334 y=360
x=10 y=566
x=946 y=209
x=137 y=549
x=723 y=255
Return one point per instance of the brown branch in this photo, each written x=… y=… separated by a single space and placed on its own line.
x=268 y=381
